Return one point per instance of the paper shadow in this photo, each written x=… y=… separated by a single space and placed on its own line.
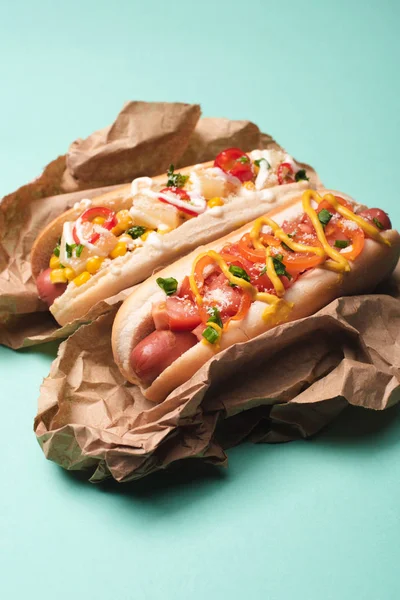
x=356 y=426
x=184 y=481
x=49 y=349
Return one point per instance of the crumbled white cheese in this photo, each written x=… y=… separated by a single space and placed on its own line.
x=218 y=295
x=352 y=225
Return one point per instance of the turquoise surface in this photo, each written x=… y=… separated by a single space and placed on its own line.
x=307 y=520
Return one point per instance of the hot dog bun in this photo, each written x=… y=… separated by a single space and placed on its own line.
x=312 y=291
x=126 y=271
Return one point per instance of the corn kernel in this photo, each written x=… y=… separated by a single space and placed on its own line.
x=54 y=262
x=58 y=276
x=256 y=169
x=164 y=230
x=249 y=185
x=69 y=273
x=117 y=230
x=215 y=202
x=124 y=219
x=98 y=221
x=82 y=278
x=93 y=264
x=145 y=235
x=119 y=250
x=125 y=238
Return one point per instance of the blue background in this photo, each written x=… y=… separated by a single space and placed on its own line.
x=308 y=520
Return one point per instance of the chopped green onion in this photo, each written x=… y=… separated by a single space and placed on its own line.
x=176 y=179
x=79 y=250
x=244 y=159
x=258 y=162
x=56 y=250
x=169 y=285
x=324 y=216
x=378 y=223
x=279 y=267
x=69 y=249
x=239 y=272
x=215 y=316
x=211 y=335
x=301 y=175
x=341 y=243
x=136 y=231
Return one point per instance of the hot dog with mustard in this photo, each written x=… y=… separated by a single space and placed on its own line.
x=283 y=266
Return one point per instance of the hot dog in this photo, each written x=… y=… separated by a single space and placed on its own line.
x=100 y=247
x=281 y=267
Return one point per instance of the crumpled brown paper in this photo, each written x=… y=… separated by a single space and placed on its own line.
x=145 y=138
x=286 y=384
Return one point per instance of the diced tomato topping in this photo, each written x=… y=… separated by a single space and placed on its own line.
x=183 y=314
x=176 y=314
x=235 y=162
x=227 y=299
x=372 y=215
x=285 y=173
x=185 y=291
x=301 y=226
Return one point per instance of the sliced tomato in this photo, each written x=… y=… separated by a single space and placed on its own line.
x=372 y=215
x=328 y=206
x=248 y=251
x=285 y=173
x=89 y=215
x=244 y=307
x=355 y=235
x=255 y=255
x=298 y=262
x=235 y=257
x=199 y=272
x=235 y=162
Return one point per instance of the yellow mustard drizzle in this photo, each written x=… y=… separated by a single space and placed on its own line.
x=270 y=269
x=362 y=223
x=308 y=195
x=270 y=299
x=278 y=309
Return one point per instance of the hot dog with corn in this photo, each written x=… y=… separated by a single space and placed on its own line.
x=101 y=247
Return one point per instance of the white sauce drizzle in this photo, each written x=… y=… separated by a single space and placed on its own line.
x=263 y=175
x=83 y=204
x=140 y=185
x=216 y=211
